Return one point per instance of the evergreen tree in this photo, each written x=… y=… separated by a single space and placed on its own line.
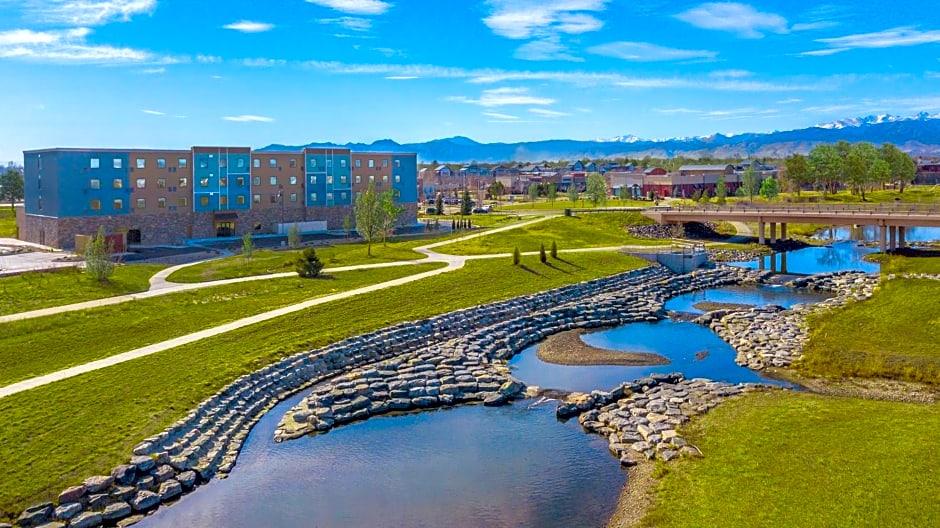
x=308 y=264
x=554 y=250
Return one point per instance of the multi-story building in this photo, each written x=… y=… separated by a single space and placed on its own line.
x=169 y=196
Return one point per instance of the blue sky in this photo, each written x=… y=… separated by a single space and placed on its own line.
x=173 y=73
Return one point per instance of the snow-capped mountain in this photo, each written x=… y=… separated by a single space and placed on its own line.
x=629 y=138
x=874 y=120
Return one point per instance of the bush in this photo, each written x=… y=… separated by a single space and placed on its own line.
x=542 y=256
x=248 y=247
x=554 y=250
x=293 y=236
x=308 y=264
x=515 y=256
x=99 y=262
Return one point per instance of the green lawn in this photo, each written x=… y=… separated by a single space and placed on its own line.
x=794 y=459
x=586 y=230
x=562 y=203
x=55 y=435
x=7 y=222
x=898 y=264
x=59 y=341
x=266 y=261
x=34 y=291
x=891 y=335
x=481 y=220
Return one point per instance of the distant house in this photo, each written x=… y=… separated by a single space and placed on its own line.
x=928 y=172
x=443 y=171
x=706 y=170
x=655 y=171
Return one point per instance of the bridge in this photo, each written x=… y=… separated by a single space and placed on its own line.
x=891 y=218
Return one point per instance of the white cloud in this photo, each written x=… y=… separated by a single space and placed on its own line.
x=153 y=71
x=791 y=100
x=154 y=112
x=503 y=97
x=809 y=26
x=889 y=38
x=401 y=77
x=733 y=17
x=644 y=52
x=88 y=12
x=671 y=111
x=350 y=23
x=263 y=63
x=388 y=52
x=548 y=113
x=730 y=74
x=524 y=19
x=584 y=110
x=497 y=115
x=69 y=47
x=249 y=26
x=208 y=59
x=180 y=117
x=248 y=118
x=545 y=49
x=356 y=7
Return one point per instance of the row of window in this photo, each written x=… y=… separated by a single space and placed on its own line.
x=141 y=163
x=357 y=178
x=118 y=183
x=118 y=203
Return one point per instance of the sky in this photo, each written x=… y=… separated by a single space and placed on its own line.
x=177 y=73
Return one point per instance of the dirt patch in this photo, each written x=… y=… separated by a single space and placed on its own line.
x=567 y=348
x=636 y=498
x=866 y=388
x=711 y=306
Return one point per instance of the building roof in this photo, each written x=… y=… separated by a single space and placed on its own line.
x=704 y=167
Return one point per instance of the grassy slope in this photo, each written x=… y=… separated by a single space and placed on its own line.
x=59 y=341
x=480 y=220
x=562 y=203
x=587 y=230
x=7 y=222
x=33 y=291
x=897 y=264
x=57 y=434
x=792 y=459
x=893 y=335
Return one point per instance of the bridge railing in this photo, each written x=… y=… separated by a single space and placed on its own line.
x=872 y=209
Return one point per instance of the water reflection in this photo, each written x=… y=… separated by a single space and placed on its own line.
x=873 y=234
x=754 y=295
x=840 y=256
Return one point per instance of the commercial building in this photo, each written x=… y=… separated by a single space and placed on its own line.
x=170 y=196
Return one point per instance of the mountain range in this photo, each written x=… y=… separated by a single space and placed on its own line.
x=917 y=135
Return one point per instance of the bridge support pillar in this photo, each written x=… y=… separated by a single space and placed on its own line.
x=883 y=237
x=901 y=234
x=760 y=233
x=773 y=261
x=773 y=232
x=783 y=230
x=783 y=262
x=892 y=238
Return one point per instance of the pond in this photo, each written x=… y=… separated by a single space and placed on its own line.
x=839 y=256
x=469 y=466
x=873 y=234
x=761 y=295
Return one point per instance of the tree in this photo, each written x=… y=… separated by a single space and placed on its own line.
x=533 y=193
x=572 y=193
x=542 y=257
x=496 y=190
x=11 y=186
x=859 y=162
x=516 y=256
x=721 y=190
x=308 y=264
x=749 y=182
x=596 y=188
x=370 y=216
x=465 y=207
x=391 y=213
x=347 y=225
x=248 y=247
x=697 y=195
x=769 y=189
x=293 y=236
x=439 y=204
x=826 y=166
x=901 y=167
x=798 y=172
x=552 y=193
x=99 y=252
x=554 y=250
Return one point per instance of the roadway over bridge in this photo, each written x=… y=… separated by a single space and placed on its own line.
x=892 y=218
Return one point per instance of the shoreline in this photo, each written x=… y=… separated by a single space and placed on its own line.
x=567 y=348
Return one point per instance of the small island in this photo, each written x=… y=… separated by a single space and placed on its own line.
x=567 y=348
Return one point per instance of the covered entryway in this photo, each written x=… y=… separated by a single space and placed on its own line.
x=133 y=236
x=225 y=223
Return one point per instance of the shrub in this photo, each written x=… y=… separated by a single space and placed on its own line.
x=515 y=256
x=293 y=236
x=308 y=263
x=248 y=247
x=554 y=250
x=98 y=256
x=542 y=256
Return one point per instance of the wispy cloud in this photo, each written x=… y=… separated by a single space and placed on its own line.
x=388 y=52
x=792 y=100
x=733 y=17
x=497 y=115
x=249 y=118
x=208 y=59
x=889 y=38
x=645 y=52
x=503 y=97
x=263 y=63
x=68 y=47
x=671 y=111
x=87 y=12
x=154 y=112
x=730 y=74
x=249 y=26
x=152 y=71
x=350 y=23
x=809 y=26
x=548 y=113
x=549 y=48
x=524 y=19
x=355 y=7
x=401 y=77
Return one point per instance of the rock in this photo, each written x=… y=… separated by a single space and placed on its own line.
x=98 y=483
x=123 y=493
x=86 y=520
x=187 y=479
x=627 y=460
x=169 y=490
x=144 y=500
x=73 y=494
x=130 y=521
x=692 y=451
x=511 y=388
x=424 y=401
x=495 y=399
x=124 y=474
x=668 y=454
x=35 y=515
x=163 y=473
x=67 y=510
x=116 y=511
x=97 y=501
x=143 y=463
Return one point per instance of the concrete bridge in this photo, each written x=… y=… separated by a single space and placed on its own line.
x=892 y=218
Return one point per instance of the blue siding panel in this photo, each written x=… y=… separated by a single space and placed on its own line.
x=406 y=167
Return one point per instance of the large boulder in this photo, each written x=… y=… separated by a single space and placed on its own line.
x=144 y=500
x=73 y=494
x=86 y=520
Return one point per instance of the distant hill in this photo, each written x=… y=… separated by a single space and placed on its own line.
x=918 y=135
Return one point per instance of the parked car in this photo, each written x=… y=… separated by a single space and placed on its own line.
x=430 y=210
x=481 y=210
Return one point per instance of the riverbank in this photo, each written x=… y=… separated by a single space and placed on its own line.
x=567 y=348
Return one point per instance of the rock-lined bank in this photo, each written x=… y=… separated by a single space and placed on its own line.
x=641 y=419
x=771 y=336
x=207 y=441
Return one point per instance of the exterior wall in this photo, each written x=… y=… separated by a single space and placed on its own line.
x=70 y=174
x=380 y=172
x=155 y=188
x=41 y=183
x=221 y=179
x=405 y=176
x=277 y=180
x=38 y=229
x=328 y=180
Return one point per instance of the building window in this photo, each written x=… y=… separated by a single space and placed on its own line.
x=141 y=183
x=256 y=180
x=329 y=180
x=182 y=201
x=240 y=163
x=293 y=197
x=275 y=198
x=204 y=201
x=342 y=163
x=313 y=162
x=161 y=203
x=272 y=180
x=342 y=179
x=372 y=178
x=117 y=183
x=161 y=183
x=240 y=181
x=184 y=182
x=240 y=199
x=39 y=182
x=223 y=181
x=95 y=163
x=371 y=164
x=161 y=163
x=203 y=163
x=95 y=183
x=358 y=163
x=385 y=163
x=293 y=180
x=118 y=163
x=118 y=204
x=181 y=162
x=256 y=198
x=203 y=182
x=141 y=203
x=256 y=163
x=223 y=162
x=329 y=163
x=141 y=163
x=342 y=196
x=397 y=164
x=329 y=197
x=358 y=194
x=96 y=205
x=397 y=178
x=272 y=163
x=385 y=178
x=313 y=197
x=293 y=163
x=358 y=179
x=313 y=180
x=223 y=200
